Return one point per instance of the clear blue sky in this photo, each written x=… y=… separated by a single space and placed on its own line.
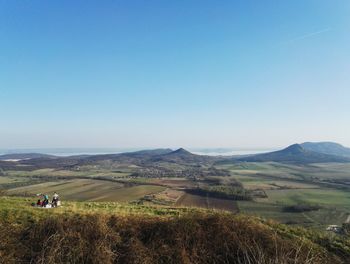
x=174 y=73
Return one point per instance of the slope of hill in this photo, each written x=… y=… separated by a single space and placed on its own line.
x=144 y=157
x=47 y=161
x=182 y=156
x=329 y=148
x=113 y=233
x=142 y=154
x=295 y=154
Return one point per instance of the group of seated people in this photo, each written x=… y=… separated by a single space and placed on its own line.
x=45 y=201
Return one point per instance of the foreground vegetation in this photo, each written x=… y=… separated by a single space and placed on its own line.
x=82 y=232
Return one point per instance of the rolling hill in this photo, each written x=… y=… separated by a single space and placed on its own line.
x=295 y=154
x=182 y=156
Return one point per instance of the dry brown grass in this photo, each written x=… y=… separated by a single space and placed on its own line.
x=197 y=238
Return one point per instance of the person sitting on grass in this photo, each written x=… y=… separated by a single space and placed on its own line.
x=46 y=200
x=38 y=203
x=55 y=198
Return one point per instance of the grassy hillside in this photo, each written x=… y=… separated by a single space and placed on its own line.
x=82 y=232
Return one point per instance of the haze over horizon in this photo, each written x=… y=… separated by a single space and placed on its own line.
x=192 y=74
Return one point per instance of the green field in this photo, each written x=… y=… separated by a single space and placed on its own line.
x=323 y=197
x=84 y=172
x=324 y=171
x=290 y=184
x=7 y=180
x=88 y=190
x=257 y=182
x=319 y=219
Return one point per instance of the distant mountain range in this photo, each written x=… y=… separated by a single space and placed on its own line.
x=144 y=158
x=321 y=152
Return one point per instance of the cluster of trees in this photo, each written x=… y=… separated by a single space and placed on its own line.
x=225 y=192
x=299 y=208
